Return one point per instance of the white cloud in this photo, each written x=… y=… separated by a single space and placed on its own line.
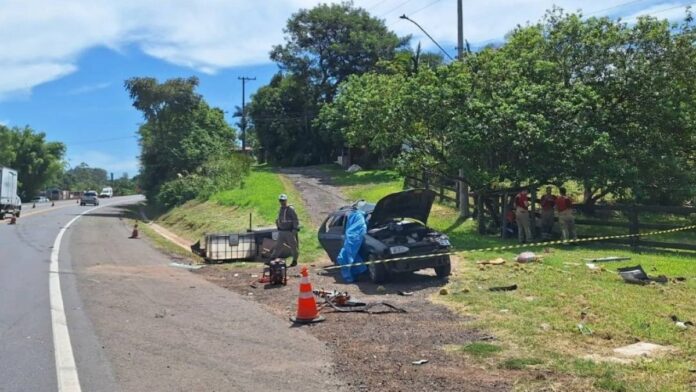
x=89 y=88
x=41 y=40
x=108 y=162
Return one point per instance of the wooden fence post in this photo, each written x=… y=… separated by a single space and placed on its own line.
x=634 y=228
x=480 y=213
x=463 y=196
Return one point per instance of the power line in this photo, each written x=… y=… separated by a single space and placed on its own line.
x=395 y=8
x=426 y=6
x=615 y=7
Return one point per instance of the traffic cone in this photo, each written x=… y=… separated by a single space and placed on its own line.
x=135 y=231
x=307 y=311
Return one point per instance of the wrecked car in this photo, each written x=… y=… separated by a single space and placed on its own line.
x=396 y=227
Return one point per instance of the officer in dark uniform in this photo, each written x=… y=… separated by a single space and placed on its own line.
x=288 y=225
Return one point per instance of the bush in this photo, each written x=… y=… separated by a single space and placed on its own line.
x=218 y=173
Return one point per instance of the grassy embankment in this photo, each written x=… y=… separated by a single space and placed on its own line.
x=536 y=325
x=228 y=211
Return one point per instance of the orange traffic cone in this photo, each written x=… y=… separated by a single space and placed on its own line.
x=307 y=311
x=135 y=231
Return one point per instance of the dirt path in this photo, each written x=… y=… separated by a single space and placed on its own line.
x=320 y=196
x=374 y=352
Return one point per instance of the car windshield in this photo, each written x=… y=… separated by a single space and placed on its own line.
x=90 y=193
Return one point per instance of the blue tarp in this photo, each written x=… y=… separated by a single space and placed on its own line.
x=356 y=227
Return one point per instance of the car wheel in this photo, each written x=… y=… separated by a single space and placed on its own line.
x=444 y=270
x=378 y=272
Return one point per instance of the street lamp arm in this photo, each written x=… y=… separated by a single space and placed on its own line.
x=426 y=33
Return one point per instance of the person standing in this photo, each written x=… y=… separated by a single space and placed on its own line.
x=548 y=202
x=356 y=228
x=524 y=231
x=288 y=225
x=564 y=206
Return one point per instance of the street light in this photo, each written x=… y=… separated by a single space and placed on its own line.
x=426 y=33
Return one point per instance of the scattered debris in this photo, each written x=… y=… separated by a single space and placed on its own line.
x=465 y=290
x=161 y=314
x=527 y=257
x=504 y=310
x=381 y=289
x=681 y=324
x=444 y=291
x=498 y=261
x=354 y=168
x=504 y=288
x=592 y=266
x=642 y=349
x=405 y=293
x=545 y=326
x=636 y=275
x=605 y=259
x=185 y=266
x=236 y=275
x=584 y=329
x=420 y=362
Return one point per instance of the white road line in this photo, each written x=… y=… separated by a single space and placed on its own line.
x=66 y=370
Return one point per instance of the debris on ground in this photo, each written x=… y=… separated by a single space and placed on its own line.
x=504 y=288
x=405 y=293
x=185 y=266
x=498 y=261
x=681 y=324
x=584 y=329
x=381 y=289
x=420 y=362
x=636 y=275
x=606 y=259
x=527 y=257
x=444 y=291
x=354 y=168
x=592 y=266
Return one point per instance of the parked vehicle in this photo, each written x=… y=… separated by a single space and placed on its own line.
x=396 y=227
x=89 y=197
x=40 y=199
x=107 y=192
x=10 y=203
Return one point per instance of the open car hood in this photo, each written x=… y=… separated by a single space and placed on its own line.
x=413 y=204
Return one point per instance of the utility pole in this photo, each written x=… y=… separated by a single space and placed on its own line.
x=244 y=80
x=460 y=31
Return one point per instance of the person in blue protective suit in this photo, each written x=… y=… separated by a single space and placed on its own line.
x=356 y=227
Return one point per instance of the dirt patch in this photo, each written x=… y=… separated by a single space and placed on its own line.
x=375 y=351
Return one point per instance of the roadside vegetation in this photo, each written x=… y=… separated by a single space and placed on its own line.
x=536 y=326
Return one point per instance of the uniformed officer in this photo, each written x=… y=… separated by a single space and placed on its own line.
x=288 y=225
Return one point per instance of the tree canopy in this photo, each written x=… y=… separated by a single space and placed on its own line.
x=37 y=161
x=595 y=100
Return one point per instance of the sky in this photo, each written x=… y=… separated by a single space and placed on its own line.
x=63 y=62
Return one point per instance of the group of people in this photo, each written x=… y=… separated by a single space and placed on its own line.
x=550 y=206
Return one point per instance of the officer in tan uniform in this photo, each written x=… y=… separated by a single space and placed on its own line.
x=288 y=225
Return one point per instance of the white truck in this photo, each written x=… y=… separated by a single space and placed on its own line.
x=107 y=192
x=10 y=203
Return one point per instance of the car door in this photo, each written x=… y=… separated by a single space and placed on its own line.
x=332 y=233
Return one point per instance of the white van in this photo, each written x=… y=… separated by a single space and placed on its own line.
x=107 y=192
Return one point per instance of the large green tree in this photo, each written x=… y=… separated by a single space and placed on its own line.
x=181 y=131
x=37 y=161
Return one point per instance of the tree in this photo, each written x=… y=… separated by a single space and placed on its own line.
x=83 y=177
x=37 y=161
x=180 y=133
x=330 y=42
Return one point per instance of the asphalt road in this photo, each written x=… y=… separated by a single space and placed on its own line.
x=133 y=322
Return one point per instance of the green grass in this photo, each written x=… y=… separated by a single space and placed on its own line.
x=537 y=323
x=228 y=211
x=481 y=350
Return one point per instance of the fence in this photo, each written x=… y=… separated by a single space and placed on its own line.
x=491 y=209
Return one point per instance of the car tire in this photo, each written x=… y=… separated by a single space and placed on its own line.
x=378 y=272
x=445 y=270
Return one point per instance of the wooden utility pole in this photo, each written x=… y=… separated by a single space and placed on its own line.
x=463 y=187
x=244 y=123
x=460 y=31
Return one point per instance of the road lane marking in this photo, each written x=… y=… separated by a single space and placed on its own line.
x=66 y=370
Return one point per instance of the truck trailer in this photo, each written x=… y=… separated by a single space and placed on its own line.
x=10 y=203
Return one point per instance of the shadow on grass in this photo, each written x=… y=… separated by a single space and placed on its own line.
x=405 y=282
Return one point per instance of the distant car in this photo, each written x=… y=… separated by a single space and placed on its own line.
x=89 y=197
x=396 y=227
x=40 y=199
x=107 y=192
